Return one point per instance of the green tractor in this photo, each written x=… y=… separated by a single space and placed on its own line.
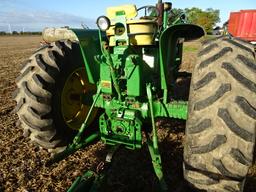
x=112 y=83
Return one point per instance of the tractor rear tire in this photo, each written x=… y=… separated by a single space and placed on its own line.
x=220 y=130
x=39 y=94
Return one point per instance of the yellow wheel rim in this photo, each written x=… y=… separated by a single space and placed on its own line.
x=73 y=110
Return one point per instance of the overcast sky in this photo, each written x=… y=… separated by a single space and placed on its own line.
x=36 y=14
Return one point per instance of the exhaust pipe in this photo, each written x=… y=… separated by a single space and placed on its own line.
x=160 y=8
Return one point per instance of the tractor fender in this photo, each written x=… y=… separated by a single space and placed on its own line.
x=90 y=47
x=168 y=43
x=187 y=31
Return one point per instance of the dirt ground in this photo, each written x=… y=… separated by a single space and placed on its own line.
x=22 y=163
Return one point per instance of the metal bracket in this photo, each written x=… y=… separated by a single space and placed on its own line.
x=153 y=144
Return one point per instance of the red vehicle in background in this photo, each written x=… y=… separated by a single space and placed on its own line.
x=242 y=24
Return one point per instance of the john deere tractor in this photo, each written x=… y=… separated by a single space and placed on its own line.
x=111 y=84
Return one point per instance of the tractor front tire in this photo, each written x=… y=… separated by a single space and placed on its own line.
x=220 y=130
x=40 y=99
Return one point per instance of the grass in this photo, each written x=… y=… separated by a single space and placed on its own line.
x=189 y=48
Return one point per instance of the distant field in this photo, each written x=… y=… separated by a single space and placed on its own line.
x=22 y=163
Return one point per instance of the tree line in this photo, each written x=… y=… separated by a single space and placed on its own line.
x=205 y=18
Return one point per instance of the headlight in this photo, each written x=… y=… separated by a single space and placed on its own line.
x=103 y=23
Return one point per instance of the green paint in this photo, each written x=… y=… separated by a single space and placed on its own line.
x=130 y=90
x=90 y=48
x=72 y=148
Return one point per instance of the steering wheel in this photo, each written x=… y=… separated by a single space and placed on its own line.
x=150 y=12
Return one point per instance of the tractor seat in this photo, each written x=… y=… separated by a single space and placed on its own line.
x=141 y=32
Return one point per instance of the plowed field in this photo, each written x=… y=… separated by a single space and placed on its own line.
x=22 y=163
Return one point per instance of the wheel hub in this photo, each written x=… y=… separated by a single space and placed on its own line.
x=74 y=111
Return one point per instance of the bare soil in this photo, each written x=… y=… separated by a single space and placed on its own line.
x=22 y=163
